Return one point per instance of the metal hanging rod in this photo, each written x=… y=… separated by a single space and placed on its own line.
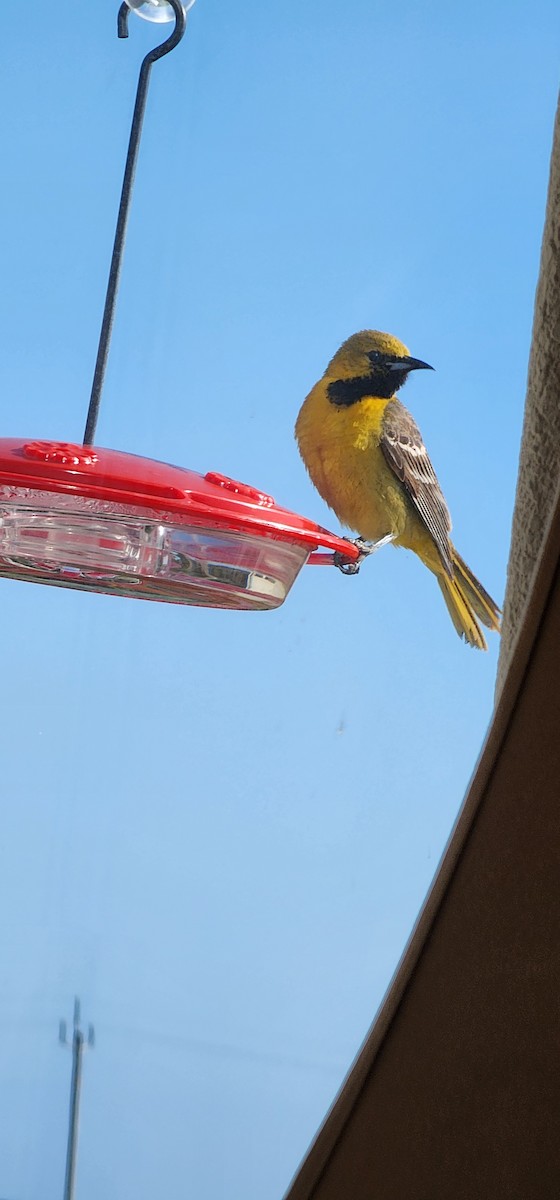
x=124 y=206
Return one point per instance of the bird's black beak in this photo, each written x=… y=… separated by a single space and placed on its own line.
x=406 y=363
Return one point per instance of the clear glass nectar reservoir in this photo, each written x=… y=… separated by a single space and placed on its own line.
x=81 y=543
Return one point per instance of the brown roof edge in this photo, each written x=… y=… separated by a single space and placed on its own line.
x=309 y=1174
x=539 y=459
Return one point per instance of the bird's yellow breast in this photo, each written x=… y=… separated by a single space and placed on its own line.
x=340 y=448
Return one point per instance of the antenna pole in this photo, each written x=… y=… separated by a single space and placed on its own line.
x=75 y=1086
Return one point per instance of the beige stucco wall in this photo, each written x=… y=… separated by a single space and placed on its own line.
x=539 y=462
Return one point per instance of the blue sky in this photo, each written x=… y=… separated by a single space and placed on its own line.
x=219 y=827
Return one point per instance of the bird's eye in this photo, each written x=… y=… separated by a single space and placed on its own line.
x=374 y=355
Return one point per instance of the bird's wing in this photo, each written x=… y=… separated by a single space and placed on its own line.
x=406 y=454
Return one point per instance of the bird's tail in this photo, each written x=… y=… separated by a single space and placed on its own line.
x=467 y=600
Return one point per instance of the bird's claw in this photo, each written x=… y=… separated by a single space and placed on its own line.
x=348 y=566
x=364 y=547
x=351 y=566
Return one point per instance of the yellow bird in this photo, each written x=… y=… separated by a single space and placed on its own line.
x=366 y=457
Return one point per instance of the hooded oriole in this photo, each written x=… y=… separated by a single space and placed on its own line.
x=365 y=455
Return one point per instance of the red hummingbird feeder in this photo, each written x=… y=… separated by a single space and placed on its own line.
x=101 y=520
x=104 y=521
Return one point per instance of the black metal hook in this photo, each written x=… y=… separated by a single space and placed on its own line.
x=170 y=42
x=122 y=219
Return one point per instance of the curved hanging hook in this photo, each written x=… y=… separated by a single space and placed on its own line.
x=122 y=219
x=170 y=42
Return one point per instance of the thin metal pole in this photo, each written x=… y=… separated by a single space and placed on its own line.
x=122 y=219
x=71 y=1153
x=75 y=1087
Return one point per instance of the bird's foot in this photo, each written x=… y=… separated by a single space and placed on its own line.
x=350 y=566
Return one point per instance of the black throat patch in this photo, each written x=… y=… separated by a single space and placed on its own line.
x=382 y=384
